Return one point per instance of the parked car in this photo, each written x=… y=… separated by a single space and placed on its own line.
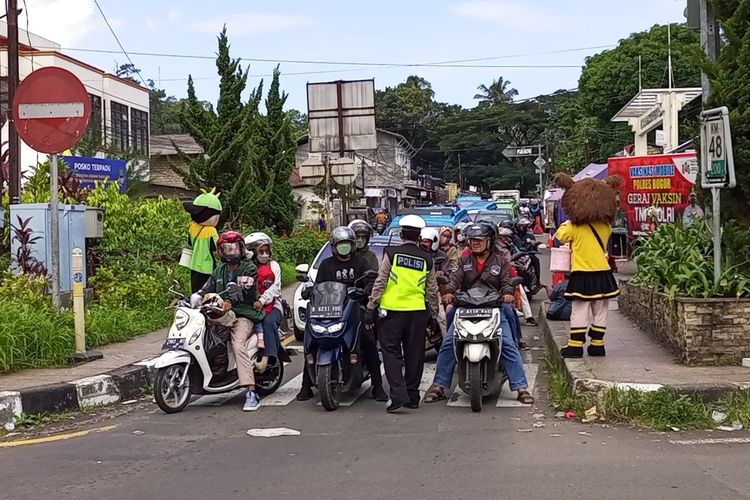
x=377 y=245
x=436 y=216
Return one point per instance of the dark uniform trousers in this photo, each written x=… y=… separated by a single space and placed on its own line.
x=402 y=337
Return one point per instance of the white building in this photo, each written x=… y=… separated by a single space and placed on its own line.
x=120 y=107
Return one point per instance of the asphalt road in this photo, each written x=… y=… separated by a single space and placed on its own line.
x=360 y=451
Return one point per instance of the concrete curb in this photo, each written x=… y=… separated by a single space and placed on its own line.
x=121 y=384
x=584 y=382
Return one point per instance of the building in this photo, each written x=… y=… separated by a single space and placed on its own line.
x=388 y=178
x=120 y=106
x=163 y=180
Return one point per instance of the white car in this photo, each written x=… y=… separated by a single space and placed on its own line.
x=305 y=272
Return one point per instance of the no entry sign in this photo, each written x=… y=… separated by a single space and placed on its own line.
x=51 y=110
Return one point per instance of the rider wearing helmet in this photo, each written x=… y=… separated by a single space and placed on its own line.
x=346 y=266
x=526 y=242
x=259 y=247
x=363 y=233
x=461 y=243
x=406 y=285
x=236 y=268
x=484 y=267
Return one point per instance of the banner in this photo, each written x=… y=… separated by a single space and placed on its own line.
x=92 y=170
x=658 y=184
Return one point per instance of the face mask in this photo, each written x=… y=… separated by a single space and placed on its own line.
x=361 y=243
x=344 y=249
x=264 y=257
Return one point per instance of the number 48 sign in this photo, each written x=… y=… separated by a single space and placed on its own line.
x=717 y=162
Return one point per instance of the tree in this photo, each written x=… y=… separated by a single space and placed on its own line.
x=731 y=88
x=299 y=123
x=499 y=92
x=164 y=112
x=127 y=71
x=225 y=134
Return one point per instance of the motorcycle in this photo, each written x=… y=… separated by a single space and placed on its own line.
x=332 y=338
x=477 y=343
x=198 y=360
x=525 y=269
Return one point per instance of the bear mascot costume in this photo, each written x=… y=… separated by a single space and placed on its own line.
x=591 y=206
x=204 y=211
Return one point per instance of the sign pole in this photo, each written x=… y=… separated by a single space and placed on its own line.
x=55 y=229
x=716 y=194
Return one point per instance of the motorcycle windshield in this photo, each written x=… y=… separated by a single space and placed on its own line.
x=327 y=300
x=479 y=297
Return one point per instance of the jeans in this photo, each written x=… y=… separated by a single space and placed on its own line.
x=509 y=312
x=271 y=333
x=510 y=357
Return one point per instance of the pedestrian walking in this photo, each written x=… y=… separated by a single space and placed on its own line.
x=406 y=291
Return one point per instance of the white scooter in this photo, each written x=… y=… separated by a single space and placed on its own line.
x=478 y=342
x=186 y=368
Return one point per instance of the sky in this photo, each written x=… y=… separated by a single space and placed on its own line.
x=551 y=38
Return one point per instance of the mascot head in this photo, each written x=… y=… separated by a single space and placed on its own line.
x=589 y=200
x=205 y=209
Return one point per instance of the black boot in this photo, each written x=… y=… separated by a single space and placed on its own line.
x=597 y=341
x=304 y=394
x=574 y=349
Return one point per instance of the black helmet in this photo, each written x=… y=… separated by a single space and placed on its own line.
x=507 y=224
x=339 y=237
x=361 y=228
x=482 y=230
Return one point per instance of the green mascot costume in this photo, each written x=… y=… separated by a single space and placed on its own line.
x=204 y=211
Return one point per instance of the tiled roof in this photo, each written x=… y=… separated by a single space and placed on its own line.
x=163 y=144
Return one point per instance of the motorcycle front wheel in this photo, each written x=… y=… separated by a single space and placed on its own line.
x=475 y=386
x=328 y=386
x=169 y=395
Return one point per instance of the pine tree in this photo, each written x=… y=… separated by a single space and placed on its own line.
x=224 y=135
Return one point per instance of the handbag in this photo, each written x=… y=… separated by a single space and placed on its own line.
x=559 y=261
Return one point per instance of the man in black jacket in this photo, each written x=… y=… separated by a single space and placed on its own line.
x=346 y=266
x=484 y=266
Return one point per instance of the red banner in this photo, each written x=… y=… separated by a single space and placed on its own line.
x=654 y=186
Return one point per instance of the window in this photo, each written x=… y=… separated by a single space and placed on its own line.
x=120 y=140
x=95 y=126
x=139 y=131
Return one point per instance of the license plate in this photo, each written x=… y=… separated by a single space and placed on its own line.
x=475 y=313
x=325 y=312
x=173 y=343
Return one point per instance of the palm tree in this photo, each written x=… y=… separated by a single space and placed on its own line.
x=498 y=92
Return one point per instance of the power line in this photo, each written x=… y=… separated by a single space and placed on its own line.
x=96 y=2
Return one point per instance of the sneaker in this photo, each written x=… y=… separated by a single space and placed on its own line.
x=252 y=401
x=532 y=321
x=394 y=406
x=523 y=345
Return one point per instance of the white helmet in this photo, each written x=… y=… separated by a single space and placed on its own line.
x=413 y=221
x=430 y=233
x=254 y=240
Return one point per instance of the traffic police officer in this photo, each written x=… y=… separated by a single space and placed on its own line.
x=406 y=285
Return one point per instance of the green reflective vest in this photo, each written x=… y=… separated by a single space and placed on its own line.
x=407 y=282
x=201 y=237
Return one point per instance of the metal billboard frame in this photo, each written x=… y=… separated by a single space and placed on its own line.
x=353 y=110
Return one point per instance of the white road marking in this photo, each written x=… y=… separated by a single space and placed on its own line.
x=693 y=442
x=427 y=375
x=284 y=394
x=508 y=399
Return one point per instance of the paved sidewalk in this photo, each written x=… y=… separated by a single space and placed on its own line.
x=635 y=360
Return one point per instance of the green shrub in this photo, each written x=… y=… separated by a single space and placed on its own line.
x=678 y=260
x=288 y=274
x=300 y=248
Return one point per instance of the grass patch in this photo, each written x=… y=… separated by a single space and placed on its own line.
x=663 y=409
x=105 y=325
x=288 y=273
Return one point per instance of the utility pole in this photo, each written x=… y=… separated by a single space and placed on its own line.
x=327 y=169
x=14 y=160
x=460 y=175
x=709 y=42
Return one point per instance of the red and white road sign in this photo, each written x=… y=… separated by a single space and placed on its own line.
x=51 y=110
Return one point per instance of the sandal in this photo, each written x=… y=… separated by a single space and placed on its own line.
x=435 y=394
x=525 y=398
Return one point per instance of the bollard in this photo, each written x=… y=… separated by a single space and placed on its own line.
x=79 y=311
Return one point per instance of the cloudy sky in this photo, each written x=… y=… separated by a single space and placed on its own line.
x=538 y=45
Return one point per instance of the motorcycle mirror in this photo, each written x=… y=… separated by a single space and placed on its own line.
x=176 y=284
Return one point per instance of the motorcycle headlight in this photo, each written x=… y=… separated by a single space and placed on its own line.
x=335 y=328
x=181 y=319
x=319 y=329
